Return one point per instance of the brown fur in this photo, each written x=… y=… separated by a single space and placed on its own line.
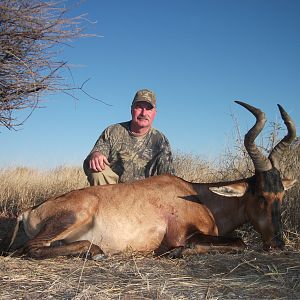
x=159 y=214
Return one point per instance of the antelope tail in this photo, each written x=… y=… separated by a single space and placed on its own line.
x=16 y=229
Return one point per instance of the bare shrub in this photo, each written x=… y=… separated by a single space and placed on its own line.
x=30 y=33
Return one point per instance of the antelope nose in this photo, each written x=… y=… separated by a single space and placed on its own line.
x=277 y=244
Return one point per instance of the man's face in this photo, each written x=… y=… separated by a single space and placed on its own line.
x=143 y=114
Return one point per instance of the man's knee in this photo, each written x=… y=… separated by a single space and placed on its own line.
x=107 y=176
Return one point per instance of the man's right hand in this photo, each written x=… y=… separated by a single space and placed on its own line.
x=98 y=162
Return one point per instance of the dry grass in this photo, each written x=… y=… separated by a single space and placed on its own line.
x=23 y=187
x=249 y=275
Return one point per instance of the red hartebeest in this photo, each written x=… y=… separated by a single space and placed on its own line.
x=165 y=213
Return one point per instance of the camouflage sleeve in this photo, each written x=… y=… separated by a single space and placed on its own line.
x=165 y=158
x=103 y=143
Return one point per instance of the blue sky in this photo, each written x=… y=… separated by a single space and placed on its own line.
x=198 y=56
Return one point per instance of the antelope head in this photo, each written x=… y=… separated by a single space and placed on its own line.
x=267 y=189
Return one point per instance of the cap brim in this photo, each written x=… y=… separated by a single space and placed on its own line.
x=143 y=100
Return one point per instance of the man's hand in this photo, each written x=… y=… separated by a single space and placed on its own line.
x=98 y=162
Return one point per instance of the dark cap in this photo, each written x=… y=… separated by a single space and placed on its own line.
x=146 y=96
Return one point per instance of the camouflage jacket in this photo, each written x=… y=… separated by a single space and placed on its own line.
x=134 y=158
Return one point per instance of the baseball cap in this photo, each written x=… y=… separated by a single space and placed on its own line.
x=146 y=96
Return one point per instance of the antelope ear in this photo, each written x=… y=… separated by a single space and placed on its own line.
x=288 y=183
x=230 y=190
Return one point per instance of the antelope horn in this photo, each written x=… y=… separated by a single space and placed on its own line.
x=261 y=162
x=286 y=141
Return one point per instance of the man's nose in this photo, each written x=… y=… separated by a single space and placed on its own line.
x=144 y=111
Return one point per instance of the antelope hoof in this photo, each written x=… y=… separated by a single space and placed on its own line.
x=176 y=253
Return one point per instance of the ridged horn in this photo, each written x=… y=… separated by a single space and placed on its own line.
x=276 y=153
x=261 y=162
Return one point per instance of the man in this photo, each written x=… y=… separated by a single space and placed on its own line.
x=130 y=150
